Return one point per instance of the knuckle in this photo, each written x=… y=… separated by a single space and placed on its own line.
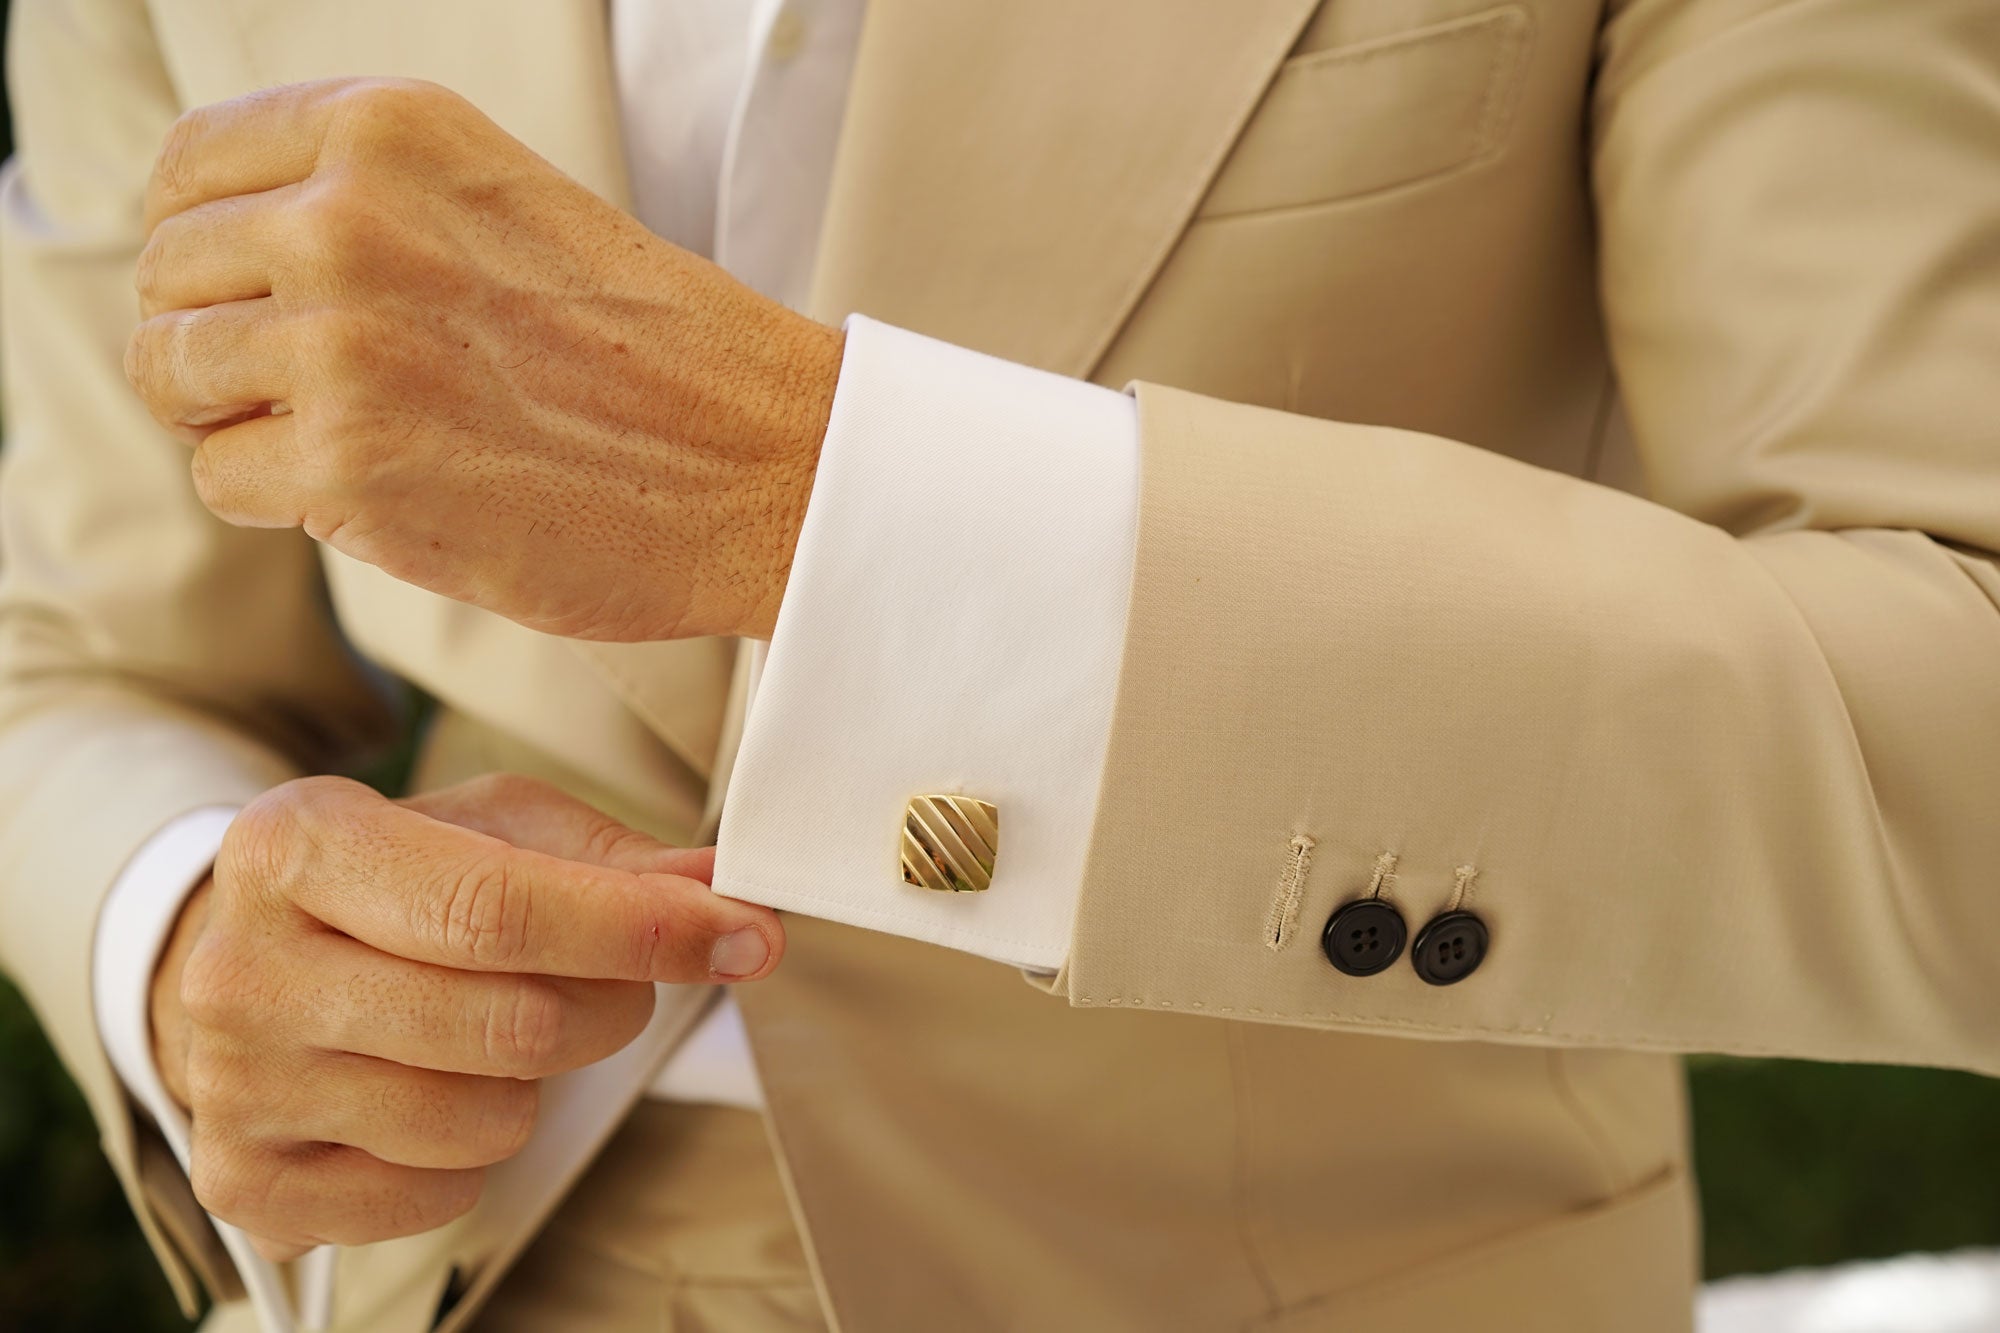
x=509 y=1120
x=146 y=273
x=345 y=224
x=378 y=111
x=268 y=815
x=161 y=362
x=211 y=1092
x=480 y=916
x=229 y=1184
x=173 y=166
x=283 y=834
x=317 y=811
x=525 y=1032
x=609 y=841
x=210 y=480
x=442 y=1196
x=190 y=369
x=142 y=357
x=320 y=800
x=452 y=1198
x=209 y=984
x=259 y=847
x=353 y=436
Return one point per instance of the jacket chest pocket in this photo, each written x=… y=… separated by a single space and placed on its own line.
x=1377 y=115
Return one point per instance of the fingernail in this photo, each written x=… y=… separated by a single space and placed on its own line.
x=739 y=954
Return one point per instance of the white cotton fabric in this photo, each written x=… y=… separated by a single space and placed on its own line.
x=954 y=623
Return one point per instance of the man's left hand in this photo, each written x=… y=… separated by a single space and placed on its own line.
x=380 y=317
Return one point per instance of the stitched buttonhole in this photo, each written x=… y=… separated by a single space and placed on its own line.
x=1282 y=922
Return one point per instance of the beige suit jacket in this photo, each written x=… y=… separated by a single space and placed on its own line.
x=1579 y=466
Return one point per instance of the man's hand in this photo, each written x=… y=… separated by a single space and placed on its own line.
x=357 y=1008
x=380 y=317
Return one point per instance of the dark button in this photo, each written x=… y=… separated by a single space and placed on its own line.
x=1450 y=948
x=1364 y=937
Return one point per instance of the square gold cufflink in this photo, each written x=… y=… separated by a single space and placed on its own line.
x=949 y=843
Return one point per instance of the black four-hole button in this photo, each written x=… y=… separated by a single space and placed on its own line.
x=1364 y=937
x=1450 y=948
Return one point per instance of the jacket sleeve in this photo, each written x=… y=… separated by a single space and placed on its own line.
x=152 y=659
x=1719 y=769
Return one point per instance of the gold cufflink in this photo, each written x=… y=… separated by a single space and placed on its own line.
x=949 y=843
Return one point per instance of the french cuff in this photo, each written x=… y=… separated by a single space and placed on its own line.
x=952 y=628
x=133 y=926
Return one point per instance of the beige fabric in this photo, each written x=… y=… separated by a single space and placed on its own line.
x=967 y=1154
x=681 y=1226
x=1727 y=775
x=1719 y=760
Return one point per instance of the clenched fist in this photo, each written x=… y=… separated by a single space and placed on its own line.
x=356 y=1009
x=380 y=317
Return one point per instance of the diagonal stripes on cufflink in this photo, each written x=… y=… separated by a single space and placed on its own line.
x=950 y=843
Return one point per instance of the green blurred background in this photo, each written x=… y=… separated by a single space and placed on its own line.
x=1800 y=1165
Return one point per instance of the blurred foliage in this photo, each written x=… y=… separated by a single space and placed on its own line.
x=70 y=1256
x=1808 y=1164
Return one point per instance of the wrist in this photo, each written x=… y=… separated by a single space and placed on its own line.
x=169 y=1028
x=807 y=404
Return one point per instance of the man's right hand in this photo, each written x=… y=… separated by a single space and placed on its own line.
x=355 y=1010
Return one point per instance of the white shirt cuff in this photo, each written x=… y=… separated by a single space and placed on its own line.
x=133 y=926
x=953 y=624
x=712 y=1064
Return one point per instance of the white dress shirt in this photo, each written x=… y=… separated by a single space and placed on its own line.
x=974 y=651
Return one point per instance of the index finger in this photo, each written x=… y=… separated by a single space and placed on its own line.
x=246 y=145
x=437 y=893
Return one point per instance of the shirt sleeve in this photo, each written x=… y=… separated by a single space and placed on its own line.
x=953 y=624
x=132 y=929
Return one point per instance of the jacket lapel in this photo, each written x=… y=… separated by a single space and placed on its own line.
x=1011 y=176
